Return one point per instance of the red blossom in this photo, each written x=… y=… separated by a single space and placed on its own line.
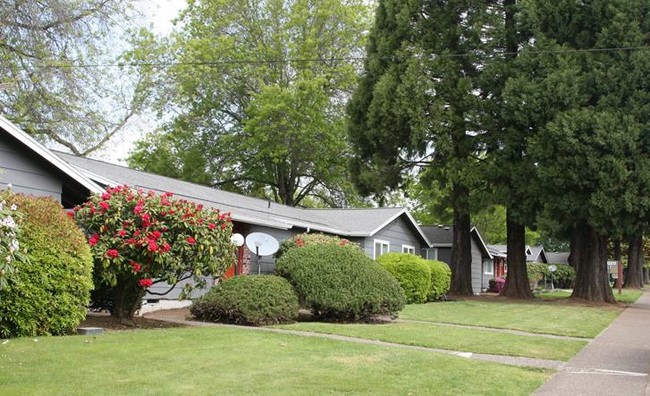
x=121 y=233
x=299 y=242
x=112 y=253
x=156 y=234
x=191 y=240
x=136 y=267
x=93 y=239
x=130 y=241
x=146 y=220
x=106 y=196
x=138 y=209
x=223 y=226
x=152 y=246
x=147 y=282
x=212 y=226
x=70 y=214
x=165 y=247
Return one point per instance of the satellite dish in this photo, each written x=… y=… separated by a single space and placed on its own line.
x=237 y=240
x=552 y=268
x=262 y=244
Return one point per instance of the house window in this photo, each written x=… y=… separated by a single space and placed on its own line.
x=488 y=267
x=432 y=254
x=381 y=247
x=408 y=249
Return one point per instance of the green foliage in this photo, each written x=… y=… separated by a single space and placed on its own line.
x=139 y=238
x=339 y=283
x=52 y=288
x=302 y=240
x=440 y=279
x=271 y=121
x=563 y=277
x=412 y=273
x=10 y=220
x=256 y=300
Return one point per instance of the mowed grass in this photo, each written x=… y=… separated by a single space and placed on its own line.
x=545 y=317
x=219 y=360
x=628 y=296
x=452 y=338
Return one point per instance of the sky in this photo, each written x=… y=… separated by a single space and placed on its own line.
x=157 y=16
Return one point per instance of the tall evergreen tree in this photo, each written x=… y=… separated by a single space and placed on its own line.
x=589 y=92
x=418 y=102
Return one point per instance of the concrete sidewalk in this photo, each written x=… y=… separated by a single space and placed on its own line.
x=617 y=362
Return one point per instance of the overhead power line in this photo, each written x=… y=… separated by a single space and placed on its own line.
x=333 y=59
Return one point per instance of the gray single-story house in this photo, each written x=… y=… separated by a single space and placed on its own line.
x=34 y=169
x=557 y=257
x=441 y=238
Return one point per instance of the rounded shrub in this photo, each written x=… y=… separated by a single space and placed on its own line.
x=339 y=283
x=302 y=240
x=249 y=300
x=52 y=288
x=412 y=273
x=440 y=279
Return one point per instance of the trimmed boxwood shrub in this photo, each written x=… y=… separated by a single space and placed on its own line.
x=249 y=300
x=412 y=273
x=52 y=287
x=440 y=279
x=302 y=240
x=338 y=283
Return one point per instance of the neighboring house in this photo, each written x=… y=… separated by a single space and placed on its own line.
x=557 y=257
x=33 y=169
x=441 y=238
x=536 y=254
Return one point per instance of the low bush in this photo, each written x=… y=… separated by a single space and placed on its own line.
x=340 y=283
x=249 y=300
x=52 y=286
x=412 y=273
x=302 y=240
x=440 y=279
x=496 y=285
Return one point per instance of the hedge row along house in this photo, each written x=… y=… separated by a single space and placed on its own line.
x=32 y=168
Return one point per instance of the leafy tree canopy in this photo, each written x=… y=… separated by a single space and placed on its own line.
x=257 y=90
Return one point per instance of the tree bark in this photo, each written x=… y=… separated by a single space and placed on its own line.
x=461 y=250
x=127 y=297
x=634 y=276
x=592 y=278
x=517 y=285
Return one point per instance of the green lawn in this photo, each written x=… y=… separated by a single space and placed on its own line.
x=241 y=361
x=628 y=296
x=452 y=338
x=547 y=317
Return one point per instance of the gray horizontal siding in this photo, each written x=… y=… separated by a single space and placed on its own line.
x=27 y=175
x=397 y=233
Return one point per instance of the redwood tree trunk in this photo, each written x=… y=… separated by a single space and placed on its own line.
x=517 y=285
x=461 y=250
x=592 y=279
x=634 y=276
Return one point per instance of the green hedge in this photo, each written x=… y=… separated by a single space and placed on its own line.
x=412 y=273
x=52 y=288
x=563 y=277
x=340 y=283
x=440 y=279
x=302 y=240
x=250 y=300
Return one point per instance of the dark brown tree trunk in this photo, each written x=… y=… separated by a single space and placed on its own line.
x=461 y=250
x=575 y=248
x=127 y=298
x=517 y=285
x=592 y=278
x=646 y=275
x=634 y=276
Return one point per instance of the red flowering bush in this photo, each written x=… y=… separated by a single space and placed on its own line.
x=139 y=239
x=302 y=240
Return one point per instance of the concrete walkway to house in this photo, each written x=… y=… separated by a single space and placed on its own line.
x=617 y=362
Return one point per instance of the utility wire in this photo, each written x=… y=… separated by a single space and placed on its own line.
x=337 y=59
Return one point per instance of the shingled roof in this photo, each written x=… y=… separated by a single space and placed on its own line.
x=343 y=222
x=443 y=236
